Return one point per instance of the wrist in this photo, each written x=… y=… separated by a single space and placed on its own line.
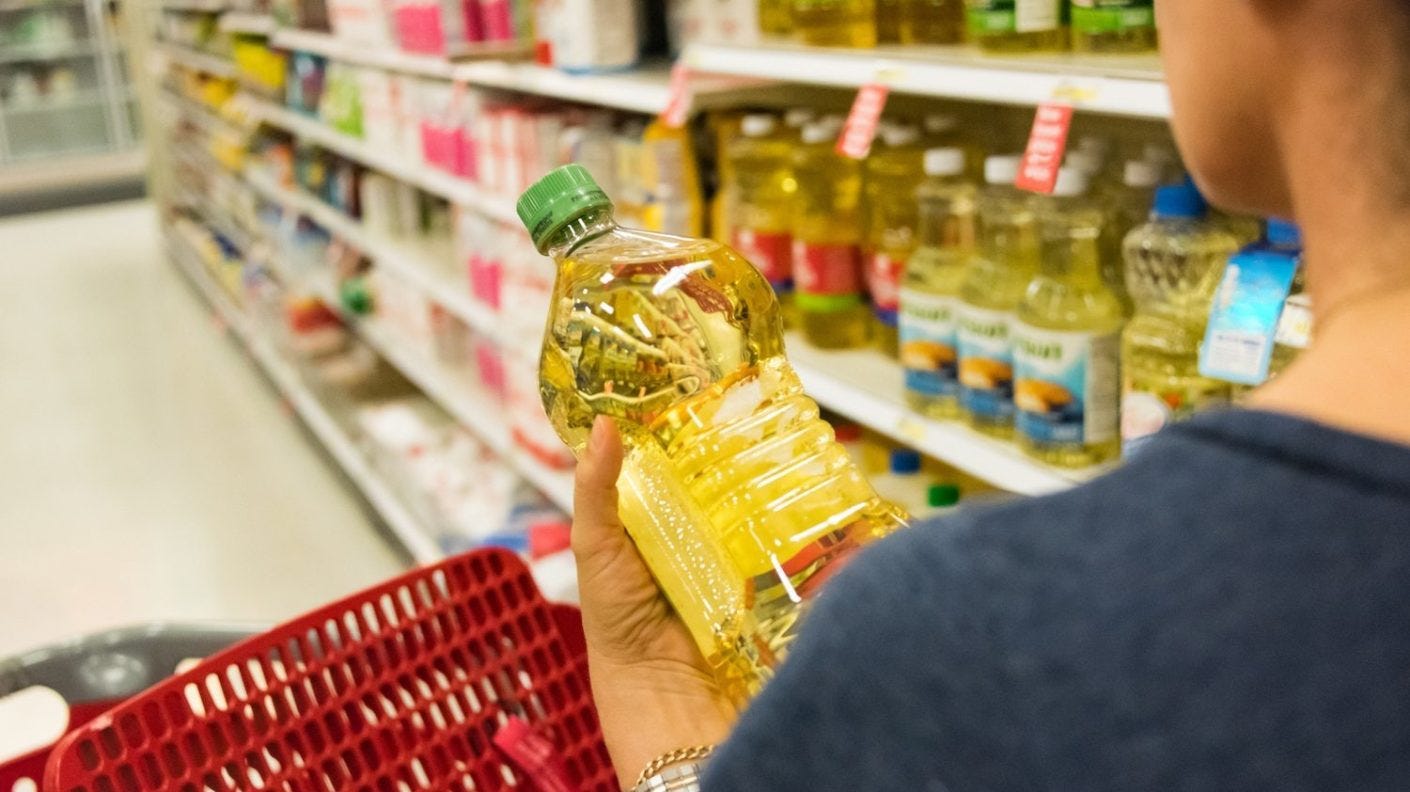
x=650 y=709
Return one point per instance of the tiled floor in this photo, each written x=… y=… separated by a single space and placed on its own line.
x=147 y=472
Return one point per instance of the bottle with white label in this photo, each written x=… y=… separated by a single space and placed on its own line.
x=1067 y=338
x=1017 y=25
x=1173 y=264
x=993 y=286
x=947 y=235
x=594 y=36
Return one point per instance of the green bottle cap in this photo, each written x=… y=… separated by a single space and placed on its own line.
x=356 y=296
x=942 y=496
x=560 y=197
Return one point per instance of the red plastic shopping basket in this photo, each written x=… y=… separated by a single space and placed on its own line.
x=455 y=676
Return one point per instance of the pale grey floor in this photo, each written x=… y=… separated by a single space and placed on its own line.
x=146 y=470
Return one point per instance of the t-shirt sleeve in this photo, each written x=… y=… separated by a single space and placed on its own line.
x=887 y=687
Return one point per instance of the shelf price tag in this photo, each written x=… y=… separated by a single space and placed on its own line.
x=1046 y=145
x=678 y=97
x=860 y=129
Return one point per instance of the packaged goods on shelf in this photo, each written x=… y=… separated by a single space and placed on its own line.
x=450 y=27
x=259 y=66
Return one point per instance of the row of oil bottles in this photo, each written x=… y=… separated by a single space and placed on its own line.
x=996 y=25
x=1071 y=322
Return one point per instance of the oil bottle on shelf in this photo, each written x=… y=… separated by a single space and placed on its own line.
x=734 y=489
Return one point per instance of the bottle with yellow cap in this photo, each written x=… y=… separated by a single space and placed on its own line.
x=734 y=489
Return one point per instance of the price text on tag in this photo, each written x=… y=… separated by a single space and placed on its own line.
x=678 y=97
x=1046 y=145
x=860 y=129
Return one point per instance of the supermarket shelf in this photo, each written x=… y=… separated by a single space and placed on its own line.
x=404 y=526
x=242 y=22
x=200 y=61
x=865 y=386
x=418 y=264
x=77 y=100
x=474 y=409
x=59 y=172
x=452 y=188
x=643 y=90
x=387 y=56
x=1112 y=84
x=44 y=51
x=201 y=6
x=208 y=119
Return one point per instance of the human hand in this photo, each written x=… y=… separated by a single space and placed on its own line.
x=653 y=690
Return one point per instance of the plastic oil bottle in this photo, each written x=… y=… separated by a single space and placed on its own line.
x=1128 y=205
x=734 y=490
x=1067 y=340
x=1173 y=266
x=1113 y=25
x=994 y=285
x=776 y=17
x=947 y=237
x=1017 y=25
x=761 y=199
x=835 y=23
x=932 y=21
x=827 y=237
x=891 y=174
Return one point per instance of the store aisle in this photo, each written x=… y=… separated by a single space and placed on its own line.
x=147 y=472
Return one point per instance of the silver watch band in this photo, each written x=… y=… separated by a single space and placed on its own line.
x=684 y=777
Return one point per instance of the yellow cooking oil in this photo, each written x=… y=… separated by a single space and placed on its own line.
x=722 y=127
x=891 y=173
x=947 y=236
x=827 y=237
x=761 y=189
x=994 y=284
x=734 y=489
x=1067 y=340
x=835 y=23
x=1113 y=25
x=1017 y=25
x=1173 y=266
x=889 y=18
x=932 y=21
x=776 y=17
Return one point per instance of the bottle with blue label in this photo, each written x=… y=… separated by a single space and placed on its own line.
x=1173 y=264
x=1249 y=304
x=947 y=235
x=1067 y=338
x=994 y=285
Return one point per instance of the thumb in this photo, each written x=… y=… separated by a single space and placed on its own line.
x=597 y=526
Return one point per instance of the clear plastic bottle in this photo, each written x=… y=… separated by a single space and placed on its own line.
x=1128 y=205
x=1173 y=266
x=889 y=14
x=1017 y=25
x=835 y=23
x=776 y=17
x=947 y=241
x=1067 y=339
x=733 y=488
x=932 y=21
x=1113 y=25
x=761 y=200
x=827 y=239
x=891 y=174
x=994 y=285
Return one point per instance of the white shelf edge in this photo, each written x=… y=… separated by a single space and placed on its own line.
x=870 y=392
x=243 y=22
x=200 y=61
x=201 y=6
x=453 y=188
x=378 y=55
x=408 y=530
x=644 y=90
x=1102 y=84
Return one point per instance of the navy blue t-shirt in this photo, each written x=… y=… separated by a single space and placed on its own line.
x=1228 y=611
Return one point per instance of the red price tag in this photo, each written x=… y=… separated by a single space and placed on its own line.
x=860 y=130
x=678 y=97
x=1046 y=145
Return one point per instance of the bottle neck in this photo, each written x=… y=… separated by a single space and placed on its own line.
x=580 y=230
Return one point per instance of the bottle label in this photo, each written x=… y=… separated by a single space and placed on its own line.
x=929 y=343
x=1144 y=413
x=884 y=282
x=771 y=252
x=1244 y=319
x=986 y=362
x=1066 y=388
x=1295 y=324
x=828 y=277
x=990 y=17
x=1112 y=16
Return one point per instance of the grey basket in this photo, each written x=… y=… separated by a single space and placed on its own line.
x=117 y=663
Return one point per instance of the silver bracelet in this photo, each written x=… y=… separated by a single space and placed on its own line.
x=684 y=777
